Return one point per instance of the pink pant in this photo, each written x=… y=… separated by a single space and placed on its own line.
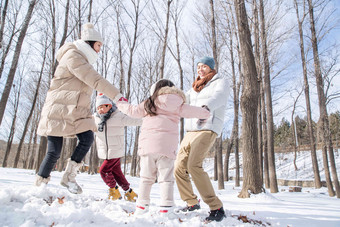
x=112 y=174
x=155 y=166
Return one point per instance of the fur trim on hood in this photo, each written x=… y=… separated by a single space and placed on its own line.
x=172 y=90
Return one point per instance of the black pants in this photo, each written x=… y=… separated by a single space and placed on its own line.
x=55 y=144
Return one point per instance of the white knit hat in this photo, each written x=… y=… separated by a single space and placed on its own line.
x=102 y=99
x=88 y=33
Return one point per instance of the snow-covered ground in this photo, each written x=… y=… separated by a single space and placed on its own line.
x=22 y=204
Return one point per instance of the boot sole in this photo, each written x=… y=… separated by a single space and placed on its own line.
x=66 y=186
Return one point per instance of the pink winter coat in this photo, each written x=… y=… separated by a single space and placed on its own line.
x=160 y=133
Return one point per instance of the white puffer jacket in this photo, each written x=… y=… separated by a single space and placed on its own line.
x=110 y=142
x=215 y=96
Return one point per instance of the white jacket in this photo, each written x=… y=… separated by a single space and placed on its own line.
x=215 y=96
x=110 y=142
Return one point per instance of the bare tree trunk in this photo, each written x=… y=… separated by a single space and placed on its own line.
x=6 y=50
x=268 y=95
x=249 y=97
x=29 y=151
x=326 y=138
x=227 y=157
x=259 y=75
x=295 y=143
x=79 y=18
x=121 y=80
x=218 y=150
x=213 y=34
x=265 y=137
x=236 y=103
x=294 y=131
x=237 y=158
x=9 y=141
x=63 y=38
x=220 y=164
x=132 y=48
x=94 y=161
x=15 y=60
x=317 y=180
x=121 y=64
x=135 y=154
x=90 y=11
x=175 y=17
x=12 y=131
x=3 y=19
x=236 y=109
x=33 y=149
x=165 y=41
x=17 y=156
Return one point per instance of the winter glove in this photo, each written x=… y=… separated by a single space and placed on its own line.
x=200 y=122
x=206 y=107
x=123 y=99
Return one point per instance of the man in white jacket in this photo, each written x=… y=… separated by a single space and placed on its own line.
x=211 y=91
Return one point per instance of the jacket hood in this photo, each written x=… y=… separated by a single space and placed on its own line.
x=66 y=47
x=172 y=90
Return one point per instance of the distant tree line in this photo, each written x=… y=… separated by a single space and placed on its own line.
x=283 y=136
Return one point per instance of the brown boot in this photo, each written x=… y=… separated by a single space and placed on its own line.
x=114 y=193
x=130 y=195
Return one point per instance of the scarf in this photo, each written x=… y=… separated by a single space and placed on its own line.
x=199 y=83
x=86 y=49
x=104 y=117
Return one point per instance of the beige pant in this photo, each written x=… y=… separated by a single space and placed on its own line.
x=194 y=148
x=156 y=166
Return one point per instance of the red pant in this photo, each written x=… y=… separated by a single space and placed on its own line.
x=112 y=174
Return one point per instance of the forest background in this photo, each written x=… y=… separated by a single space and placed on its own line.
x=147 y=40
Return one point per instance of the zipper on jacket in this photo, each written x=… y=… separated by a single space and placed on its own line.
x=107 y=145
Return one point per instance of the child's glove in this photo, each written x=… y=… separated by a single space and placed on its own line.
x=123 y=99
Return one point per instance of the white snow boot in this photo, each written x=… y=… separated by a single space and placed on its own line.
x=69 y=178
x=41 y=180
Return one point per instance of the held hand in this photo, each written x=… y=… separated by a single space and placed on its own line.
x=206 y=107
x=201 y=122
x=122 y=99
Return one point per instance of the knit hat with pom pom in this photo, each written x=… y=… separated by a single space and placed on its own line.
x=102 y=99
x=88 y=33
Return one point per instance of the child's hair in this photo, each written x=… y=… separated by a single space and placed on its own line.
x=149 y=104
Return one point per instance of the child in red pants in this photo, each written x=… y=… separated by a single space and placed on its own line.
x=110 y=146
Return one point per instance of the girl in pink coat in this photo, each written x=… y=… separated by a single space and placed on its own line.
x=159 y=138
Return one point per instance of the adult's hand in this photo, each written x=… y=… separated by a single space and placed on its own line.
x=123 y=99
